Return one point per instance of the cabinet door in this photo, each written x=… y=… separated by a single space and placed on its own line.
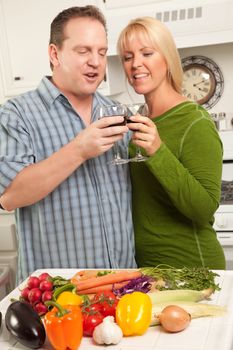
x=24 y=36
x=8 y=247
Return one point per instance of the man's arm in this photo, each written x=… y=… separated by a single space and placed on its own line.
x=36 y=181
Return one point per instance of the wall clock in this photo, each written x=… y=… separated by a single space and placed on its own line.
x=202 y=81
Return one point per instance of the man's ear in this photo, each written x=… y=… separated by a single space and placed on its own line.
x=53 y=55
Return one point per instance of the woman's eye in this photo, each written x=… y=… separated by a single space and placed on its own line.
x=127 y=58
x=147 y=54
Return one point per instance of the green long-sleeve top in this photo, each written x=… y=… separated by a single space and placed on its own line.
x=177 y=190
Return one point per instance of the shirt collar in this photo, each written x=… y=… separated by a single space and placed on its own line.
x=48 y=91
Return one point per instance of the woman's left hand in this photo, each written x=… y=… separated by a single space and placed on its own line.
x=145 y=133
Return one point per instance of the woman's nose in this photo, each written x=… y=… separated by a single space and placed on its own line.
x=137 y=62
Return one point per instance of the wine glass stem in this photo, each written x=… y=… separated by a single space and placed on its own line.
x=116 y=151
x=138 y=152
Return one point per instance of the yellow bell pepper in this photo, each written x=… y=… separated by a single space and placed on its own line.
x=133 y=313
x=69 y=298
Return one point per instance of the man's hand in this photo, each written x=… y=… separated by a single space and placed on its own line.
x=100 y=136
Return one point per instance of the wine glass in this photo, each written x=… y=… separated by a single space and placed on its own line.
x=134 y=109
x=115 y=110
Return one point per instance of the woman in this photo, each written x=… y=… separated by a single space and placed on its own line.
x=177 y=190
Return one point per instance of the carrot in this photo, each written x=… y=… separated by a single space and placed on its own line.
x=115 y=277
x=84 y=274
x=95 y=290
x=103 y=288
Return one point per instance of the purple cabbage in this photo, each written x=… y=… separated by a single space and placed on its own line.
x=140 y=284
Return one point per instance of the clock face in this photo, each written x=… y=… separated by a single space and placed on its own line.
x=202 y=80
x=198 y=83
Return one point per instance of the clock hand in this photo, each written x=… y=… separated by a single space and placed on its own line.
x=201 y=89
x=202 y=81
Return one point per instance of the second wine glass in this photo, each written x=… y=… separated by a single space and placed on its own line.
x=115 y=110
x=134 y=109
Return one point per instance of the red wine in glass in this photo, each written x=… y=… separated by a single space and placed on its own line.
x=110 y=111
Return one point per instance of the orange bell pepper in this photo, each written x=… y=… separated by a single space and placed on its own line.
x=64 y=326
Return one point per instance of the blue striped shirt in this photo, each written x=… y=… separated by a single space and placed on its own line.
x=86 y=221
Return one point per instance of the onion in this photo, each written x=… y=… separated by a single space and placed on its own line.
x=174 y=319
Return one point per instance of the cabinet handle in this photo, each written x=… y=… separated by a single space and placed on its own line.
x=17 y=78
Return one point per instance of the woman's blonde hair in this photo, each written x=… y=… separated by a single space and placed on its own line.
x=160 y=37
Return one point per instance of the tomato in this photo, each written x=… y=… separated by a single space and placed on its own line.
x=107 y=301
x=100 y=296
x=92 y=307
x=109 y=308
x=91 y=319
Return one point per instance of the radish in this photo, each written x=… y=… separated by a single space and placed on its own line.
x=34 y=295
x=47 y=295
x=24 y=293
x=33 y=282
x=40 y=308
x=44 y=276
x=46 y=285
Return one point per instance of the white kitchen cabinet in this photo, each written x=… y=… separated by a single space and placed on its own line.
x=24 y=37
x=8 y=245
x=192 y=22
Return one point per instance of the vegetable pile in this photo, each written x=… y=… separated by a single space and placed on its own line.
x=110 y=304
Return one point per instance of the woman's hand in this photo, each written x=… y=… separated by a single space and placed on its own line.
x=145 y=133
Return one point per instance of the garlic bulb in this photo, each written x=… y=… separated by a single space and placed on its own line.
x=107 y=332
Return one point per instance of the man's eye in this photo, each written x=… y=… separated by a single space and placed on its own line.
x=82 y=52
x=103 y=53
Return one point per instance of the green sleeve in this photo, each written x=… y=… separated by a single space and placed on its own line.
x=193 y=182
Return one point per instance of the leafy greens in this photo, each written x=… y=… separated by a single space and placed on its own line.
x=195 y=278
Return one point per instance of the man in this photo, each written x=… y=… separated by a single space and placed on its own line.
x=72 y=209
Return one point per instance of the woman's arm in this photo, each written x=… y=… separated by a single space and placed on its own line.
x=193 y=182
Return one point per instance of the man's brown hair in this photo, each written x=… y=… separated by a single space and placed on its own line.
x=57 y=33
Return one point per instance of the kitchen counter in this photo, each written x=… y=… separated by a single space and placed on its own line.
x=202 y=334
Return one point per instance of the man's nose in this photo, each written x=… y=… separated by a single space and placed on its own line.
x=94 y=59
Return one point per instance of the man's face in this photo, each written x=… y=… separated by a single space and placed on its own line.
x=79 y=66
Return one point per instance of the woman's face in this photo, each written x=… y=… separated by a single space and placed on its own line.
x=145 y=67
